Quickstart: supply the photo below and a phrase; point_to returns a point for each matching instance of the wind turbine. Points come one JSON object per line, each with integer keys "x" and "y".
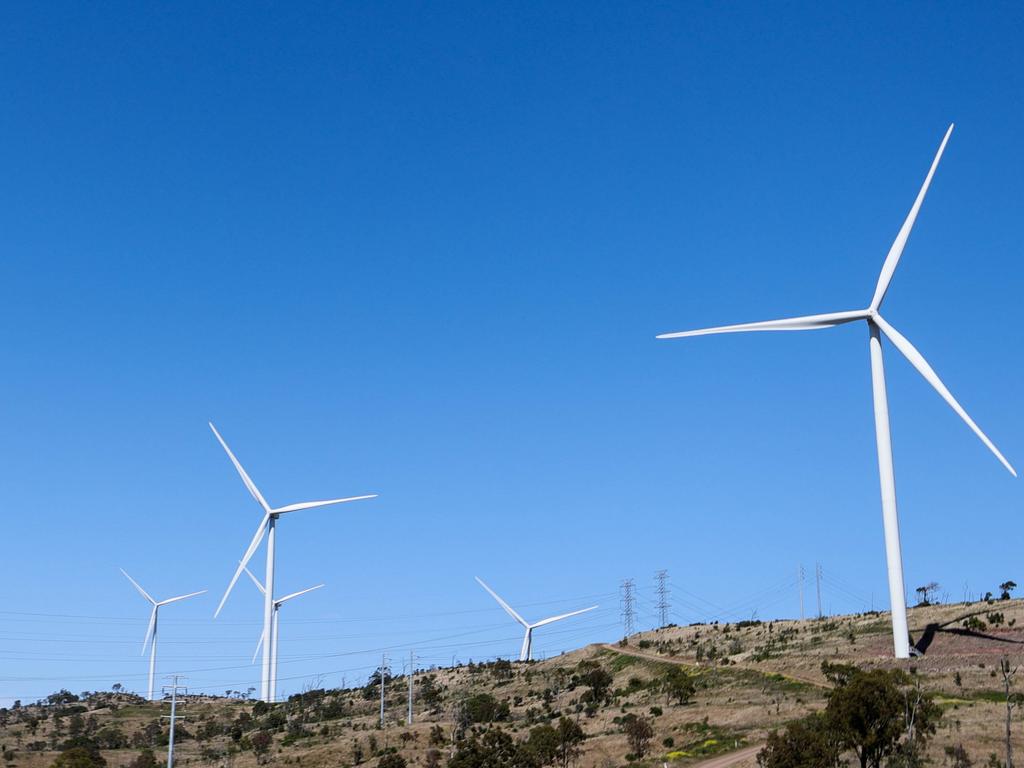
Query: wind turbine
{"x": 151, "y": 631}
{"x": 273, "y": 633}
{"x": 267, "y": 527}
{"x": 877, "y": 327}
{"x": 526, "y": 654}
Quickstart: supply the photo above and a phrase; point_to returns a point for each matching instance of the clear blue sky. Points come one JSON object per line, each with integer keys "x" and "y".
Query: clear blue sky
{"x": 424, "y": 250}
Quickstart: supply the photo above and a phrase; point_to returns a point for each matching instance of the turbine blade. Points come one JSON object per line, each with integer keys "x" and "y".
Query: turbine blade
{"x": 542, "y": 622}
{"x": 313, "y": 504}
{"x": 149, "y": 630}
{"x": 256, "y": 539}
{"x": 893, "y": 258}
{"x": 256, "y": 582}
{"x": 502, "y": 603}
{"x": 181, "y": 597}
{"x": 286, "y": 598}
{"x": 258, "y": 646}
{"x": 245, "y": 477}
{"x": 136, "y": 585}
{"x": 917, "y": 360}
{"x": 805, "y": 323}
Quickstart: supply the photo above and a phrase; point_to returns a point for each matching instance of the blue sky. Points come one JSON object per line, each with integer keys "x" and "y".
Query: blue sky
{"x": 423, "y": 251}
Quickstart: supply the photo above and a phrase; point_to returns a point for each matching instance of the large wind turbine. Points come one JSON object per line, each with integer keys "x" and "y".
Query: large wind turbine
{"x": 526, "y": 654}
{"x": 877, "y": 327}
{"x": 273, "y": 633}
{"x": 267, "y": 527}
{"x": 151, "y": 631}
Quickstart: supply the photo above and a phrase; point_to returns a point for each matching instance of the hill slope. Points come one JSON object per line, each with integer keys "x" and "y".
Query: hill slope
{"x": 749, "y": 678}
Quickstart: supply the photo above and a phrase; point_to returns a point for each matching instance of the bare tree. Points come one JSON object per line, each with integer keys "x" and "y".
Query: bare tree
{"x": 1012, "y": 700}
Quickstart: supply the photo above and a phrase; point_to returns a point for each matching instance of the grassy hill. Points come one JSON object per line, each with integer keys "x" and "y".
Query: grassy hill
{"x": 749, "y": 678}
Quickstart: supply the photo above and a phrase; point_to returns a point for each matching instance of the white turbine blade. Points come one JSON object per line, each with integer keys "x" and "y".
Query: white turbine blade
{"x": 542, "y": 622}
{"x": 245, "y": 477}
{"x": 806, "y": 323}
{"x": 502, "y": 603}
{"x": 917, "y": 360}
{"x": 889, "y": 266}
{"x": 258, "y": 646}
{"x": 286, "y": 598}
{"x": 136, "y": 585}
{"x": 256, "y": 582}
{"x": 256, "y": 539}
{"x": 149, "y": 630}
{"x": 181, "y": 597}
{"x": 313, "y": 504}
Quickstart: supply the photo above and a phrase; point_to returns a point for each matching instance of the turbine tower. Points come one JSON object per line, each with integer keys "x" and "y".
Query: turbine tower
{"x": 526, "y": 653}
{"x": 151, "y": 631}
{"x": 267, "y": 527}
{"x": 273, "y": 633}
{"x": 878, "y": 327}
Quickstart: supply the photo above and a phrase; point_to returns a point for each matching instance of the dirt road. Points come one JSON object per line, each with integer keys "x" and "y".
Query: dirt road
{"x": 733, "y": 758}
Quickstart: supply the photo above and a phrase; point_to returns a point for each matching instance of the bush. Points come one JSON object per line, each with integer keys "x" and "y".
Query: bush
{"x": 391, "y": 760}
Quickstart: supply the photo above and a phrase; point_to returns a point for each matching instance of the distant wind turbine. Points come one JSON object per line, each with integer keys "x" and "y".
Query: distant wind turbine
{"x": 877, "y": 327}
{"x": 151, "y": 631}
{"x": 267, "y": 527}
{"x": 273, "y": 632}
{"x": 526, "y": 653}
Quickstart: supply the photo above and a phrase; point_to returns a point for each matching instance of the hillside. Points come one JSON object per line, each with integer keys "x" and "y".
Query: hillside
{"x": 749, "y": 678}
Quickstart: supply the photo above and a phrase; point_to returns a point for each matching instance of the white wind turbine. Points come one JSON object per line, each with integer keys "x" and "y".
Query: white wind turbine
{"x": 151, "y": 631}
{"x": 526, "y": 653}
{"x": 267, "y": 527}
{"x": 877, "y": 326}
{"x": 273, "y": 631}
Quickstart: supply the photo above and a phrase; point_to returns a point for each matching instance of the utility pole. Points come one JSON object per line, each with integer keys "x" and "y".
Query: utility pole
{"x": 800, "y": 584}
{"x": 628, "y": 605}
{"x": 817, "y": 580}
{"x": 663, "y": 606}
{"x": 174, "y": 716}
{"x": 412, "y": 670}
{"x": 383, "y": 672}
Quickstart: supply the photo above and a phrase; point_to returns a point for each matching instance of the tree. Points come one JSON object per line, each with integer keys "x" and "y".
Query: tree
{"x": 804, "y": 743}
{"x": 638, "y": 732}
{"x": 870, "y": 712}
{"x": 930, "y": 588}
{"x": 596, "y": 679}
{"x": 80, "y": 757}
{"x": 542, "y": 745}
{"x": 145, "y": 759}
{"x": 260, "y": 742}
{"x": 1012, "y": 700}
{"x": 570, "y": 736}
{"x": 431, "y": 693}
{"x": 1006, "y": 588}
{"x": 484, "y": 708}
{"x": 391, "y": 760}
{"x": 493, "y": 749}
{"x": 678, "y": 685}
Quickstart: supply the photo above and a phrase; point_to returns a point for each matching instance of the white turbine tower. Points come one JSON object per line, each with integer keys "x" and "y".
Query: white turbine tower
{"x": 526, "y": 653}
{"x": 273, "y": 631}
{"x": 151, "y": 631}
{"x": 267, "y": 527}
{"x": 877, "y": 327}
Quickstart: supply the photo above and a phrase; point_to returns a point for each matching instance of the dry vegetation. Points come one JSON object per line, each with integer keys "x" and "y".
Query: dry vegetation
{"x": 748, "y": 679}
